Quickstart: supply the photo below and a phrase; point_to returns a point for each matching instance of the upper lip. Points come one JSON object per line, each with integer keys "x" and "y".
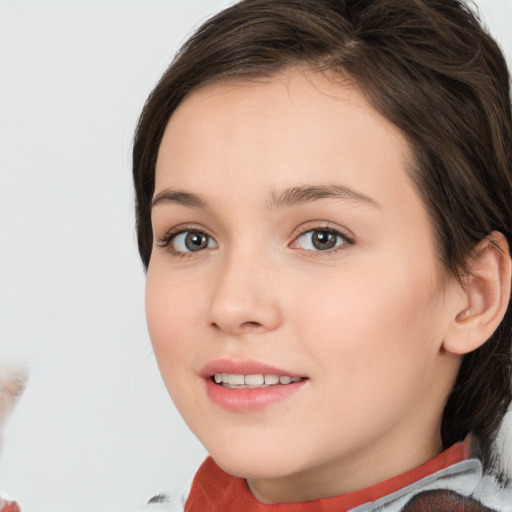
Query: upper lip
{"x": 246, "y": 367}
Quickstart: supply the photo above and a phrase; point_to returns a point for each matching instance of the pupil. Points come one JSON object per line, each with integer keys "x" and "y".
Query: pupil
{"x": 324, "y": 240}
{"x": 195, "y": 241}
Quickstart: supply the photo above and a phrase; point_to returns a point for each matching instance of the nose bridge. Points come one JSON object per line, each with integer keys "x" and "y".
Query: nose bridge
{"x": 243, "y": 296}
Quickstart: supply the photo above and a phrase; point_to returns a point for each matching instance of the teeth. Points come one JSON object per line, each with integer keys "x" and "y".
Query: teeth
{"x": 253, "y": 381}
{"x": 270, "y": 380}
{"x": 234, "y": 380}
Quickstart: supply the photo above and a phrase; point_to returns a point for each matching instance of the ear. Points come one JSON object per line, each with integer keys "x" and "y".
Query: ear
{"x": 487, "y": 295}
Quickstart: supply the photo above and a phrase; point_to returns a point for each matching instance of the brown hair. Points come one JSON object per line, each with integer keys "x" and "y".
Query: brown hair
{"x": 427, "y": 66}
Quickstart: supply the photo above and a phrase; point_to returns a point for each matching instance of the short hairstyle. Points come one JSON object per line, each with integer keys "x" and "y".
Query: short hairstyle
{"x": 431, "y": 69}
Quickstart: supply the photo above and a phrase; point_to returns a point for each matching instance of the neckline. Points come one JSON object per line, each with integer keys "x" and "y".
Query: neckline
{"x": 213, "y": 489}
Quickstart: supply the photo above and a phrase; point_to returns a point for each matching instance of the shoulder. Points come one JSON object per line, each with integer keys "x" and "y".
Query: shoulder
{"x": 488, "y": 496}
{"x": 493, "y": 495}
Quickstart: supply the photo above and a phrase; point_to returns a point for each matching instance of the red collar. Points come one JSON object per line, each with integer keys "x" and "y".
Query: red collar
{"x": 213, "y": 489}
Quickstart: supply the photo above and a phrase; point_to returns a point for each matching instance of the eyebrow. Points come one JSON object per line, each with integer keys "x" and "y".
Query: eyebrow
{"x": 308, "y": 193}
{"x": 286, "y": 198}
{"x": 170, "y": 195}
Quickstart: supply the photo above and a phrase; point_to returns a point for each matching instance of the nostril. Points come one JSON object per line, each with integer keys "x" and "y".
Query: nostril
{"x": 245, "y": 326}
{"x": 251, "y": 324}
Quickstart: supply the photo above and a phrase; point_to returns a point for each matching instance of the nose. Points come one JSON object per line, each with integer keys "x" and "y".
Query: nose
{"x": 245, "y": 296}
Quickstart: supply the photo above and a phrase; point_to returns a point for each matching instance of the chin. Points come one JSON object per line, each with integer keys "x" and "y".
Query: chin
{"x": 256, "y": 464}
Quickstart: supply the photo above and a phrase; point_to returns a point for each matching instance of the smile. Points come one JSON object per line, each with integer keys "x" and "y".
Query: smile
{"x": 249, "y": 386}
{"x": 236, "y": 381}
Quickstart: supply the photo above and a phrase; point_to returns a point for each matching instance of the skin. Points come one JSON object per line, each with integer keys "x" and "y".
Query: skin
{"x": 364, "y": 322}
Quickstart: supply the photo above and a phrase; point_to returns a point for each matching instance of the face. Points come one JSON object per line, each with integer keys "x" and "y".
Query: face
{"x": 294, "y": 297}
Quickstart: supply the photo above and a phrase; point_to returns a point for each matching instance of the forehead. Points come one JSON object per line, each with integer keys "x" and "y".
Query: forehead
{"x": 290, "y": 129}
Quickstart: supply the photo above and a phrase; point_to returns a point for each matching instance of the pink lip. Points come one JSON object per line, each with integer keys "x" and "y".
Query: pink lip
{"x": 243, "y": 368}
{"x": 247, "y": 400}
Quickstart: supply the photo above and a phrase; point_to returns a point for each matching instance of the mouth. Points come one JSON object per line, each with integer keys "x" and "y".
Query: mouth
{"x": 246, "y": 386}
{"x": 253, "y": 381}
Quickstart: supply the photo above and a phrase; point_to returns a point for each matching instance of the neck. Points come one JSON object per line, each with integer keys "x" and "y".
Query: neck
{"x": 337, "y": 478}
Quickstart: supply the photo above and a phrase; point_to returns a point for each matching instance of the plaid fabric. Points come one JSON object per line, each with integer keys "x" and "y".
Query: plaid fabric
{"x": 444, "y": 501}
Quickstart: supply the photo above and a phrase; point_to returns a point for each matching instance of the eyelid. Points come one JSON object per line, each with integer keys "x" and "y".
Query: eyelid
{"x": 164, "y": 240}
{"x": 346, "y": 235}
{"x": 322, "y": 225}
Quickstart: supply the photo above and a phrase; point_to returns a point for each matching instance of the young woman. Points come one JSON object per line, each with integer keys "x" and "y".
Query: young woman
{"x": 323, "y": 198}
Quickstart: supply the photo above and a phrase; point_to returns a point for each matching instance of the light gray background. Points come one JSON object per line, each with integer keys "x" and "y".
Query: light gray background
{"x": 95, "y": 429}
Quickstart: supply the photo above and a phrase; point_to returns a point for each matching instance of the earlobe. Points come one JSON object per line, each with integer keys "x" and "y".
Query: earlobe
{"x": 487, "y": 288}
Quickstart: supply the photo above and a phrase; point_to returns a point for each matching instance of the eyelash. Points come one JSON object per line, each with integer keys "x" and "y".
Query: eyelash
{"x": 346, "y": 239}
{"x": 165, "y": 242}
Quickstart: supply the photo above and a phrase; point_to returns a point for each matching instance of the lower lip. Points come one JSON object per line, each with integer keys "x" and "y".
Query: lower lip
{"x": 249, "y": 400}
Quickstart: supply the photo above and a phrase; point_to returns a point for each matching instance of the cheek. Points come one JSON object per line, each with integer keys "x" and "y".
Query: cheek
{"x": 171, "y": 310}
{"x": 160, "y": 314}
{"x": 372, "y": 321}
{"x": 375, "y": 350}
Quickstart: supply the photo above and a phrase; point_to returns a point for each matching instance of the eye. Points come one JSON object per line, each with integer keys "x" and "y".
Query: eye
{"x": 321, "y": 240}
{"x": 187, "y": 241}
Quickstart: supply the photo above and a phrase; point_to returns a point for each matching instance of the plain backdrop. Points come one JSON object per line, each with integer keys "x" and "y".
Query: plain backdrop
{"x": 95, "y": 429}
